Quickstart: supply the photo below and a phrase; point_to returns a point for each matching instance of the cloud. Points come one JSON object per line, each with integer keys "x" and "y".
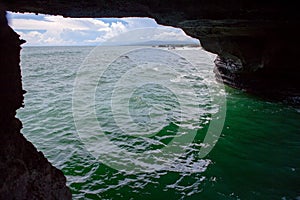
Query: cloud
{"x": 40, "y": 30}
{"x": 114, "y": 30}
{"x": 174, "y": 35}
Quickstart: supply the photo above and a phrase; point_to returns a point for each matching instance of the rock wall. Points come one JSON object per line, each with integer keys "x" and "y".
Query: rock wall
{"x": 256, "y": 40}
{"x": 254, "y": 55}
{"x": 24, "y": 172}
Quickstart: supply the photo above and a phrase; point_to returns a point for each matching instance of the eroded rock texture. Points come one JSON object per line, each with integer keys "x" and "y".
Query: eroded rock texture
{"x": 257, "y": 56}
{"x": 256, "y": 40}
{"x": 24, "y": 172}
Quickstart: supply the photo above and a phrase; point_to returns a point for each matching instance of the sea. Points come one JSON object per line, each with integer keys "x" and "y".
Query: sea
{"x": 143, "y": 122}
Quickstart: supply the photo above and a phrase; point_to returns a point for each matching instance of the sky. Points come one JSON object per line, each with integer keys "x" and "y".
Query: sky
{"x": 48, "y": 30}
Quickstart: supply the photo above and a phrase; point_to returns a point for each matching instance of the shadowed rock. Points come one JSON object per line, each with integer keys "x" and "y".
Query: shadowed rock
{"x": 260, "y": 36}
{"x": 24, "y": 172}
{"x": 256, "y": 42}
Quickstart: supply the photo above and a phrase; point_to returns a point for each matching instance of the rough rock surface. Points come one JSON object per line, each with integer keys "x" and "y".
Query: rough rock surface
{"x": 256, "y": 42}
{"x": 24, "y": 172}
{"x": 259, "y": 36}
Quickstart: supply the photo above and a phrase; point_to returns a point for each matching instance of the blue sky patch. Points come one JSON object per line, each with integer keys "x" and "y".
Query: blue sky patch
{"x": 48, "y": 30}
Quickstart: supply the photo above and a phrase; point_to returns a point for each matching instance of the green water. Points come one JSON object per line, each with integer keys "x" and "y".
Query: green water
{"x": 256, "y": 156}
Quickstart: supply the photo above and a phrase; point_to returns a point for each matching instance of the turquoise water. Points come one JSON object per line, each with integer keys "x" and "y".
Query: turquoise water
{"x": 255, "y": 157}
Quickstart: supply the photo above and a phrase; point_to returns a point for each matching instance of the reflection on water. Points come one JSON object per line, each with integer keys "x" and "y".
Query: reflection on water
{"x": 256, "y": 157}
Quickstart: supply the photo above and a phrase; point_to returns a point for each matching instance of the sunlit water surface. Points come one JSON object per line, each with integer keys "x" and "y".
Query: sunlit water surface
{"x": 256, "y": 156}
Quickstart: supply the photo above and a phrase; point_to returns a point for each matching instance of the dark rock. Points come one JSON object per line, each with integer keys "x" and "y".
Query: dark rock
{"x": 263, "y": 54}
{"x": 256, "y": 41}
{"x": 24, "y": 172}
{"x": 261, "y": 36}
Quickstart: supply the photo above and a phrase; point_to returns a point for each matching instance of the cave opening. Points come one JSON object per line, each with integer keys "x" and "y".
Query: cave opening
{"x": 57, "y": 48}
{"x": 256, "y": 43}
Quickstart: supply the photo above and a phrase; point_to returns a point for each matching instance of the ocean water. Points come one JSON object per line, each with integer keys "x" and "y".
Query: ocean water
{"x": 152, "y": 123}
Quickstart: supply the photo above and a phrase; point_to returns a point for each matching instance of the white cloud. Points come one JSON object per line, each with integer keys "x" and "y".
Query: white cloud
{"x": 57, "y": 30}
{"x": 33, "y": 37}
{"x": 58, "y": 23}
{"x": 170, "y": 35}
{"x": 139, "y": 22}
